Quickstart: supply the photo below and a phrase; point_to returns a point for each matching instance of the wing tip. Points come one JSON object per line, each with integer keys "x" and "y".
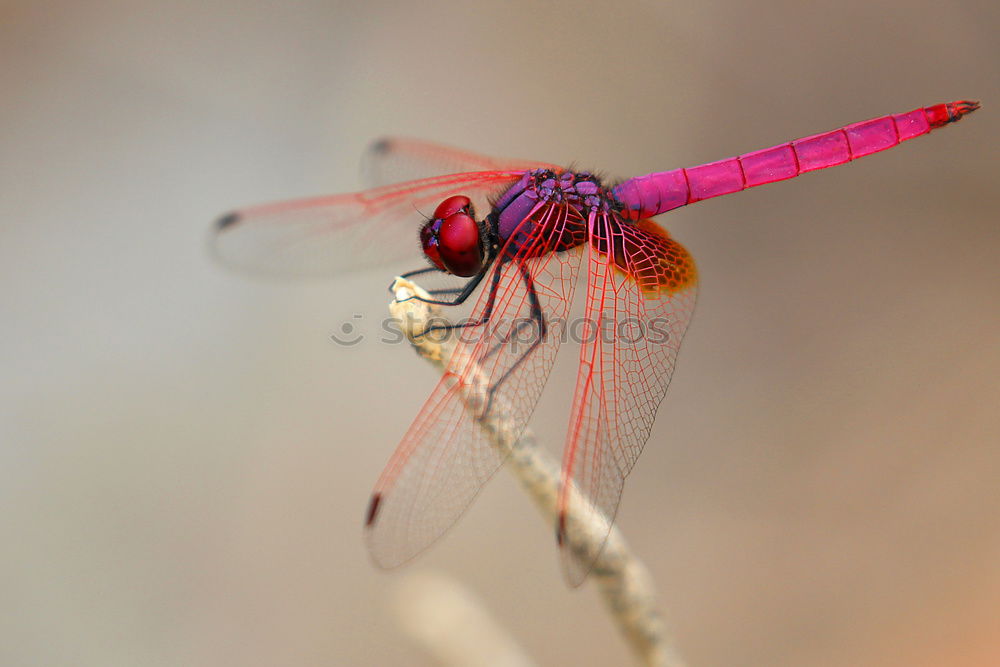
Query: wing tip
{"x": 561, "y": 529}
{"x": 373, "y": 508}
{"x": 226, "y": 221}
{"x": 380, "y": 145}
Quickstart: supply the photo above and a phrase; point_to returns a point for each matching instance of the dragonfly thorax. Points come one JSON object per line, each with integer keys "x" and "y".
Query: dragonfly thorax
{"x": 549, "y": 210}
{"x": 581, "y": 191}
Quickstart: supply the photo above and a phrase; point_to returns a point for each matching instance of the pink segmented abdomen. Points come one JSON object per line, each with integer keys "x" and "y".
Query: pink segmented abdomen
{"x": 646, "y": 196}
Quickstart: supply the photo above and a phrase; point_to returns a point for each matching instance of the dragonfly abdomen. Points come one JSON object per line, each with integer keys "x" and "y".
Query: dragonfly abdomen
{"x": 650, "y": 195}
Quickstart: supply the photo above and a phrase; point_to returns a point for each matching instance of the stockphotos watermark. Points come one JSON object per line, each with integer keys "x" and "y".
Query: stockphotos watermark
{"x": 517, "y": 331}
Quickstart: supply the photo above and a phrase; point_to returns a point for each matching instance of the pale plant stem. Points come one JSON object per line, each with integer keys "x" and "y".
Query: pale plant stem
{"x": 624, "y": 582}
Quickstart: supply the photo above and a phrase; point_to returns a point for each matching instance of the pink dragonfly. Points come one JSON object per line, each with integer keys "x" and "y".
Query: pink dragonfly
{"x": 541, "y": 221}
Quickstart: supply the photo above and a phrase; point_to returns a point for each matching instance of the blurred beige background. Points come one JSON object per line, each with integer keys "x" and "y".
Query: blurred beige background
{"x": 186, "y": 457}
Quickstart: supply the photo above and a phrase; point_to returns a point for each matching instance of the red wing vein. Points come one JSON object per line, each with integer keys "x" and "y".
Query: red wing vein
{"x": 445, "y": 457}
{"x": 325, "y": 236}
{"x": 634, "y": 290}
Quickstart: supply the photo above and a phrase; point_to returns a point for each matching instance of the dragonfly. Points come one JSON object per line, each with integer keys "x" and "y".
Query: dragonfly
{"x": 541, "y": 224}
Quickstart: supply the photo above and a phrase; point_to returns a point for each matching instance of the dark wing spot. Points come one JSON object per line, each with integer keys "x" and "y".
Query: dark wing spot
{"x": 561, "y": 529}
{"x": 372, "y": 510}
{"x": 381, "y": 145}
{"x": 227, "y": 220}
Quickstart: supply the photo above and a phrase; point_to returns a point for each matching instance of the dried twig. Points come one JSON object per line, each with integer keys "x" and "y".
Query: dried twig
{"x": 624, "y": 582}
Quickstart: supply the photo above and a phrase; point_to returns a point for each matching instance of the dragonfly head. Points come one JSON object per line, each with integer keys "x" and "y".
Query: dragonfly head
{"x": 452, "y": 239}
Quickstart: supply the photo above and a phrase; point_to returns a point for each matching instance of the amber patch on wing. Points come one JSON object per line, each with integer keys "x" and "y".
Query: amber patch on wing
{"x": 647, "y": 254}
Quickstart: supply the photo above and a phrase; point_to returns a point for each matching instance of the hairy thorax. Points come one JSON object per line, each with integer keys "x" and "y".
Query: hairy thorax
{"x": 549, "y": 211}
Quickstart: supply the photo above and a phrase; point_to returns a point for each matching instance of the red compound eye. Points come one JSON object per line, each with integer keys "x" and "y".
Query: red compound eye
{"x": 451, "y": 240}
{"x": 451, "y": 206}
{"x": 458, "y": 243}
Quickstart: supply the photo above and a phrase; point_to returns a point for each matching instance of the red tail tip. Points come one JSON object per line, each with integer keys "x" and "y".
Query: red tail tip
{"x": 940, "y": 115}
{"x": 963, "y": 107}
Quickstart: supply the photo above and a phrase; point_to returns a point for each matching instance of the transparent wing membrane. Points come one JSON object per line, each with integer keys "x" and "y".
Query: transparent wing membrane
{"x": 396, "y": 159}
{"x": 641, "y": 289}
{"x": 445, "y": 457}
{"x": 326, "y": 236}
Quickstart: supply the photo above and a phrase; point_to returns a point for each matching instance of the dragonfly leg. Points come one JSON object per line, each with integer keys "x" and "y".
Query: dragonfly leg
{"x": 420, "y": 272}
{"x": 463, "y": 295}
{"x": 415, "y": 272}
{"x": 537, "y": 319}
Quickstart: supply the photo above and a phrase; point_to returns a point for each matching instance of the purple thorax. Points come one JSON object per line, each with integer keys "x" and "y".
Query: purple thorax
{"x": 580, "y": 190}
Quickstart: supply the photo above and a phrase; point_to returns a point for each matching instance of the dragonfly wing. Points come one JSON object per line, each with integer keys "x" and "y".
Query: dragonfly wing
{"x": 445, "y": 457}
{"x": 395, "y": 159}
{"x": 641, "y": 291}
{"x": 325, "y": 236}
